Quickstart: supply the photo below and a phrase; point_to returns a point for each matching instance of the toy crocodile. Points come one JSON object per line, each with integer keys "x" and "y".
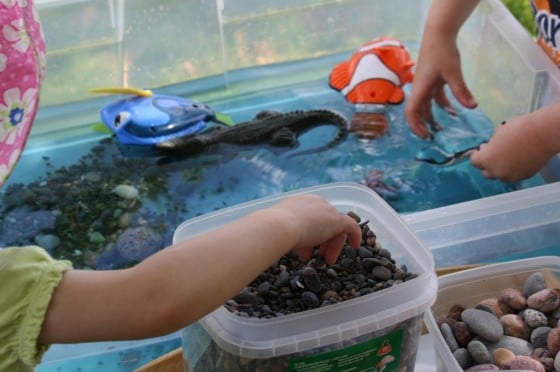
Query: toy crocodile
{"x": 272, "y": 127}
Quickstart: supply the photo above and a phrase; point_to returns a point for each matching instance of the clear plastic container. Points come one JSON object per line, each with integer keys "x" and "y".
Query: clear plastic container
{"x": 492, "y": 228}
{"x": 349, "y": 333}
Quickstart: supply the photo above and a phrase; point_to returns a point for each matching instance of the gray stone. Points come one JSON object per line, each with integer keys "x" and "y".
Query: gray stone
{"x": 463, "y": 357}
{"x": 47, "y": 241}
{"x": 535, "y": 318}
{"x": 518, "y": 346}
{"x": 448, "y": 336}
{"x": 478, "y": 352}
{"x": 483, "y": 324}
{"x": 534, "y": 283}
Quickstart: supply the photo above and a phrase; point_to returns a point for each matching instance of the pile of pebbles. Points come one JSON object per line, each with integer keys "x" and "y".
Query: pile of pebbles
{"x": 291, "y": 286}
{"x": 517, "y": 330}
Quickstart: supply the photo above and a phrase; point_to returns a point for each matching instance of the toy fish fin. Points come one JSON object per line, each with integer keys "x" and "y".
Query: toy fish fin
{"x": 340, "y": 76}
{"x": 397, "y": 97}
{"x": 100, "y": 128}
{"x": 224, "y": 119}
{"x": 122, "y": 90}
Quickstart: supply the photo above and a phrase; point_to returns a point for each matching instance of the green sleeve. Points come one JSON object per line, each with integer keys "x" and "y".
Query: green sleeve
{"x": 28, "y": 277}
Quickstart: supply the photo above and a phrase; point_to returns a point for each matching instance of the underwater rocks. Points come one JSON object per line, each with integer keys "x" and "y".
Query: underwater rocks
{"x": 516, "y": 330}
{"x": 77, "y": 212}
{"x": 21, "y": 225}
{"x": 137, "y": 243}
{"x": 126, "y": 192}
{"x": 132, "y": 245}
{"x": 291, "y": 286}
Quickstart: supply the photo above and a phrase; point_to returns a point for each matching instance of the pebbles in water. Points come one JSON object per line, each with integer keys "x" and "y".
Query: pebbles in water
{"x": 137, "y": 243}
{"x": 22, "y": 224}
{"x": 126, "y": 191}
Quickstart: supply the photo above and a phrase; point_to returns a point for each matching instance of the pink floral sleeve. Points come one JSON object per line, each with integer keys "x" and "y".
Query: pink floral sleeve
{"x": 22, "y": 66}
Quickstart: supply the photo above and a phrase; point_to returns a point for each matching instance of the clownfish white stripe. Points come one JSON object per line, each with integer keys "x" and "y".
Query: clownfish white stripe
{"x": 371, "y": 67}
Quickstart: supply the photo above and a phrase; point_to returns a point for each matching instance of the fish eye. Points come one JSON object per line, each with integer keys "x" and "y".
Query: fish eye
{"x": 121, "y": 118}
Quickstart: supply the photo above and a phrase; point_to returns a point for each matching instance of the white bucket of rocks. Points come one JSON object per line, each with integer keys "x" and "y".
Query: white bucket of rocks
{"x": 374, "y": 323}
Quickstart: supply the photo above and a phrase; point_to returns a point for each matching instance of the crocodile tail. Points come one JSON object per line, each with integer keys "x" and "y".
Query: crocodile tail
{"x": 325, "y": 117}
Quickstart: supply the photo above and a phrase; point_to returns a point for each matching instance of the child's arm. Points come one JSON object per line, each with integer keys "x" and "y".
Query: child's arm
{"x": 439, "y": 64}
{"x": 521, "y": 147}
{"x": 182, "y": 283}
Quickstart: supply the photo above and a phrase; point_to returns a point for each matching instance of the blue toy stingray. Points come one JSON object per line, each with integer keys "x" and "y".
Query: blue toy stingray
{"x": 146, "y": 118}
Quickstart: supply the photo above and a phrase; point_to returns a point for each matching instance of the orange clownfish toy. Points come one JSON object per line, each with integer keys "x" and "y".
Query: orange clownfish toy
{"x": 374, "y": 74}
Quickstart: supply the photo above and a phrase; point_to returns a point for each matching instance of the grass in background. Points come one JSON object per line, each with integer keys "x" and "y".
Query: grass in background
{"x": 522, "y": 11}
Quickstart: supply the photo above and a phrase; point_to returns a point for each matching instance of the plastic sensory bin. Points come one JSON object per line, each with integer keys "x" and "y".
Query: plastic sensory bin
{"x": 381, "y": 329}
{"x": 471, "y": 286}
{"x": 504, "y": 227}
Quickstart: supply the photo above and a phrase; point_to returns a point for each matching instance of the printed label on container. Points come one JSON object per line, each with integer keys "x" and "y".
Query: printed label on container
{"x": 376, "y": 355}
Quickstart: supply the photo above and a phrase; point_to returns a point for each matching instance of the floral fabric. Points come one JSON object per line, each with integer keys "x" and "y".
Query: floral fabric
{"x": 22, "y": 66}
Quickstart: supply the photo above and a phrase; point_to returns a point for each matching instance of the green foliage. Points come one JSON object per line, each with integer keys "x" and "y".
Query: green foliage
{"x": 522, "y": 11}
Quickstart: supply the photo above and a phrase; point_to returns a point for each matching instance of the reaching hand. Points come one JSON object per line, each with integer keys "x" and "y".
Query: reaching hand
{"x": 438, "y": 64}
{"x": 516, "y": 151}
{"x": 316, "y": 222}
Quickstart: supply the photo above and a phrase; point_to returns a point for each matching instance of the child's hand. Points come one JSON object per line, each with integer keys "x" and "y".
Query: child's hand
{"x": 438, "y": 64}
{"x": 516, "y": 151}
{"x": 314, "y": 222}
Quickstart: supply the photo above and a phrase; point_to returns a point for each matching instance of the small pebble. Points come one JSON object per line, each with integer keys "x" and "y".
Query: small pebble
{"x": 48, "y": 242}
{"x": 448, "y": 336}
{"x": 534, "y": 283}
{"x": 512, "y": 298}
{"x": 364, "y": 252}
{"x": 490, "y": 305}
{"x": 312, "y": 279}
{"x": 539, "y": 337}
{"x": 463, "y": 357}
{"x": 502, "y": 356}
{"x": 455, "y": 311}
{"x": 246, "y": 298}
{"x": 515, "y": 326}
{"x": 381, "y": 273}
{"x": 523, "y": 362}
{"x": 535, "y": 318}
{"x": 545, "y": 300}
{"x": 126, "y": 192}
{"x": 479, "y": 352}
{"x": 283, "y": 280}
{"x": 553, "y": 341}
{"x": 355, "y": 216}
{"x": 310, "y": 299}
{"x": 462, "y": 333}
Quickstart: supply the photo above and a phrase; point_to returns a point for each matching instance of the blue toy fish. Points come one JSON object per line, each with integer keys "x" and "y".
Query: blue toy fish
{"x": 146, "y": 118}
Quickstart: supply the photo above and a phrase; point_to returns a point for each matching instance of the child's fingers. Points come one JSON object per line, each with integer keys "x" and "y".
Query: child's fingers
{"x": 331, "y": 249}
{"x": 462, "y": 93}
